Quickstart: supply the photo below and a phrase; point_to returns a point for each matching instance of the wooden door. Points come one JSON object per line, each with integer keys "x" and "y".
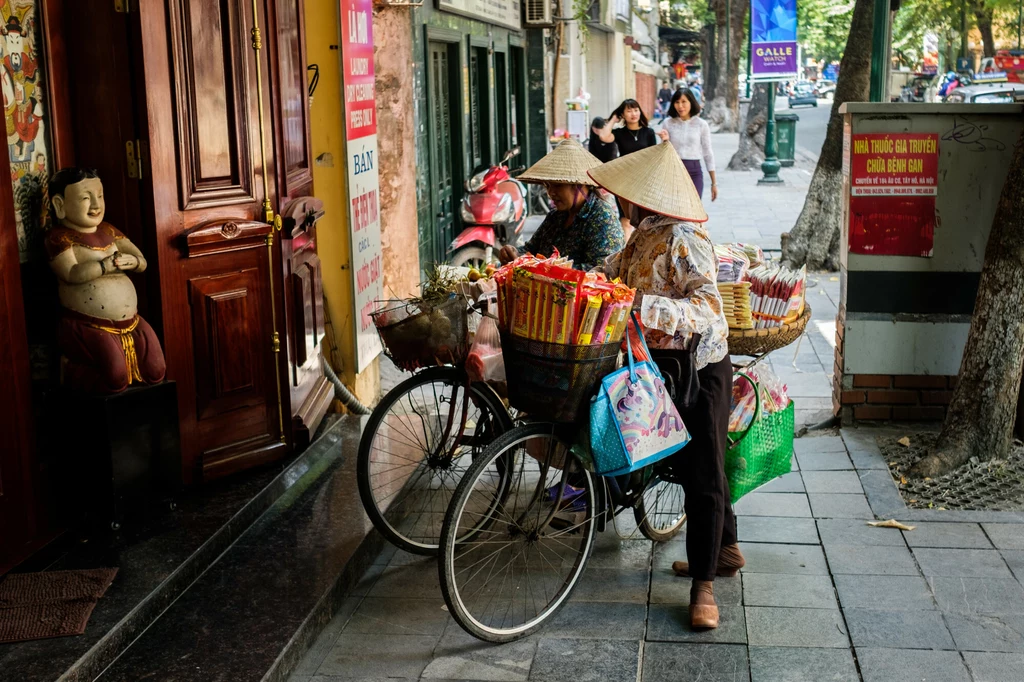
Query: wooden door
{"x": 17, "y": 513}
{"x": 443, "y": 115}
{"x": 211, "y": 195}
{"x": 309, "y": 391}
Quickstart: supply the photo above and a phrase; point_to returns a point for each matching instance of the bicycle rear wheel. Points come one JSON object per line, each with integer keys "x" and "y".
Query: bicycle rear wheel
{"x": 502, "y": 582}
{"x": 659, "y": 510}
{"x": 418, "y": 443}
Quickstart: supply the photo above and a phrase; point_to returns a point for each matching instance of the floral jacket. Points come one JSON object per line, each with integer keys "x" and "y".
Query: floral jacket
{"x": 673, "y": 267}
{"x": 594, "y": 235}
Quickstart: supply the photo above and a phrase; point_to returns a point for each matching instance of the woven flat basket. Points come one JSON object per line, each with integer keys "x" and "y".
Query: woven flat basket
{"x": 760, "y": 341}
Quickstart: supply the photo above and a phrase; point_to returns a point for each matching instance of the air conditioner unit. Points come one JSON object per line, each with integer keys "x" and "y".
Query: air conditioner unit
{"x": 538, "y": 13}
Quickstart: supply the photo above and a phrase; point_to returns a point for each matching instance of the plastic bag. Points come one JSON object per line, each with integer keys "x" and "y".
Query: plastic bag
{"x": 484, "y": 362}
{"x": 774, "y": 397}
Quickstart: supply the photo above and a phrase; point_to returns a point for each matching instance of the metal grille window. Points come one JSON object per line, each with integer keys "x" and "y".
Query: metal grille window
{"x": 474, "y": 107}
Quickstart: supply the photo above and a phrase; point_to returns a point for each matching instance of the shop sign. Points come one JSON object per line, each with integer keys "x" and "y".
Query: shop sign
{"x": 773, "y": 39}
{"x": 500, "y": 12}
{"x": 930, "y": 54}
{"x": 363, "y": 178}
{"x": 893, "y": 183}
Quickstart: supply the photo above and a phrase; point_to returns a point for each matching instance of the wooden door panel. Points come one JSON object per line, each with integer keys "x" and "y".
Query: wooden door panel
{"x": 291, "y": 99}
{"x": 302, "y": 309}
{"x": 213, "y": 101}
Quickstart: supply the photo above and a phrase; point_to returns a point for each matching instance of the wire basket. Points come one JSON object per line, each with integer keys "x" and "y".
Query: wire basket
{"x": 552, "y": 380}
{"x": 415, "y": 337}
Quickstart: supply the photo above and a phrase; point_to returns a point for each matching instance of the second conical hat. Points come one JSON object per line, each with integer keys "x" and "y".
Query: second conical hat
{"x": 568, "y": 163}
{"x": 653, "y": 178}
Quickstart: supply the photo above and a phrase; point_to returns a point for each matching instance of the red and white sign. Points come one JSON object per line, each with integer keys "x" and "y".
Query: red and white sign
{"x": 893, "y": 182}
{"x": 360, "y": 108}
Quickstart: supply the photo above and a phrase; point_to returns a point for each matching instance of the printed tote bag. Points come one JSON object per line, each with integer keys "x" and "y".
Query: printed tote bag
{"x": 633, "y": 421}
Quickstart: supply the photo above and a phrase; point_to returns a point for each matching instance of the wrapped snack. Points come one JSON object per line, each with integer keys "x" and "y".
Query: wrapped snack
{"x": 589, "y": 322}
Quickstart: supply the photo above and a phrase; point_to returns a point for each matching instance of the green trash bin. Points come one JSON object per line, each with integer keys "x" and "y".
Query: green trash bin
{"x": 785, "y": 134}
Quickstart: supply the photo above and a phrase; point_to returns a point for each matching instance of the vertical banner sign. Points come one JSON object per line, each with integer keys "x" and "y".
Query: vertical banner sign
{"x": 363, "y": 180}
{"x": 773, "y": 39}
{"x": 893, "y": 184}
{"x": 930, "y": 54}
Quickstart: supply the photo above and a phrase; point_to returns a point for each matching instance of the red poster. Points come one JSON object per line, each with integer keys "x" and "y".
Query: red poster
{"x": 357, "y": 64}
{"x": 893, "y": 183}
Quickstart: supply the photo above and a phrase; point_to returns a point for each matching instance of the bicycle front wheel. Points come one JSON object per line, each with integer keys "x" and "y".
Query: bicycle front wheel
{"x": 659, "y": 510}
{"x": 514, "y": 547}
{"x": 418, "y": 443}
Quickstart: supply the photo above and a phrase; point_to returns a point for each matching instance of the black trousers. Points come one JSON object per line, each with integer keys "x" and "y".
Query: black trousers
{"x": 710, "y": 522}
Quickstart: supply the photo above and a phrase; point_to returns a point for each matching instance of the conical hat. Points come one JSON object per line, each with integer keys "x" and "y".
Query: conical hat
{"x": 655, "y": 179}
{"x": 568, "y": 163}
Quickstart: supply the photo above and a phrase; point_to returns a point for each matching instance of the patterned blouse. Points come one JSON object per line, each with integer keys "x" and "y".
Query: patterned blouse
{"x": 594, "y": 235}
{"x": 673, "y": 267}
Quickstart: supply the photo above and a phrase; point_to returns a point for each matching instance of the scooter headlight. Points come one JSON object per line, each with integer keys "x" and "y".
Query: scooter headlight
{"x": 475, "y": 183}
{"x": 503, "y": 213}
{"x": 467, "y": 215}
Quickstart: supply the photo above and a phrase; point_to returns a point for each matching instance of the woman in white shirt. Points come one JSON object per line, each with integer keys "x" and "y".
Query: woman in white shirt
{"x": 690, "y": 135}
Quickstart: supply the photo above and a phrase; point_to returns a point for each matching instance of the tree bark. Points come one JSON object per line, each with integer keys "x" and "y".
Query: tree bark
{"x": 709, "y": 67}
{"x": 984, "y": 16}
{"x": 722, "y": 109}
{"x": 814, "y": 240}
{"x": 751, "y": 150}
{"x": 981, "y": 415}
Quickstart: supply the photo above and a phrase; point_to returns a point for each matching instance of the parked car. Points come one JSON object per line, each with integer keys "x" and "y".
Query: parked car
{"x": 915, "y": 90}
{"x": 803, "y": 93}
{"x": 825, "y": 89}
{"x": 985, "y": 93}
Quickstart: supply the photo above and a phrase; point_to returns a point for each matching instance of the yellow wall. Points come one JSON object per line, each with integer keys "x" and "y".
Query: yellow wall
{"x": 329, "y": 182}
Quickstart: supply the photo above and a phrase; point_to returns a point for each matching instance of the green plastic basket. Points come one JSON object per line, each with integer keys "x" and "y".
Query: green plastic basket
{"x": 763, "y": 452}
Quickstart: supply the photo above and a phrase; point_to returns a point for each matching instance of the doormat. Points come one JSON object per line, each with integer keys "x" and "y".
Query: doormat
{"x": 50, "y": 604}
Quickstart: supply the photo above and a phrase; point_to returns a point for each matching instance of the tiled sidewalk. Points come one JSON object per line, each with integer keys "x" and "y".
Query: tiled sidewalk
{"x": 823, "y": 597}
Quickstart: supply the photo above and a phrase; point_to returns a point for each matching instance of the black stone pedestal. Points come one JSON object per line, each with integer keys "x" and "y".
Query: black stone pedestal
{"x": 122, "y": 452}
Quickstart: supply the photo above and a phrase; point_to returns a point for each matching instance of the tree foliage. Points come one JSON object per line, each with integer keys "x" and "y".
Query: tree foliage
{"x": 823, "y": 26}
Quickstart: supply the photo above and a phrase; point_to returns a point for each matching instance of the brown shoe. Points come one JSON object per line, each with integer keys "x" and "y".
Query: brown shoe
{"x": 730, "y": 560}
{"x": 703, "y": 609}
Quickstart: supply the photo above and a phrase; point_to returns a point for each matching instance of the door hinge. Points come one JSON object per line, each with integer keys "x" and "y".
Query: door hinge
{"x": 133, "y": 157}
{"x": 122, "y": 6}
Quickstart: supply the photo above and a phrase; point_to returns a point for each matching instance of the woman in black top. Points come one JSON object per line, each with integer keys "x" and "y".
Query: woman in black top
{"x": 635, "y": 135}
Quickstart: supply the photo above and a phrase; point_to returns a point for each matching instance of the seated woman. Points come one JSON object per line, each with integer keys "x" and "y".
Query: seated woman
{"x": 671, "y": 262}
{"x": 583, "y": 226}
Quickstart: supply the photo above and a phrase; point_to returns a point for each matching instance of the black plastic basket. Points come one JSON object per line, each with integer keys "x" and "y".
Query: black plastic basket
{"x": 424, "y": 338}
{"x": 555, "y": 381}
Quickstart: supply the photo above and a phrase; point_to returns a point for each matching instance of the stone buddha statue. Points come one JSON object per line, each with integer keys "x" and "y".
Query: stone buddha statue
{"x": 106, "y": 345}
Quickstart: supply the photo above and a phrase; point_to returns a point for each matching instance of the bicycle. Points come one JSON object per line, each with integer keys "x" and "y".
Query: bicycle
{"x": 421, "y": 439}
{"x": 513, "y": 547}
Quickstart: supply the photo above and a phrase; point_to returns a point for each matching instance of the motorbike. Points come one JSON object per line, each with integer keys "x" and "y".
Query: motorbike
{"x": 494, "y": 211}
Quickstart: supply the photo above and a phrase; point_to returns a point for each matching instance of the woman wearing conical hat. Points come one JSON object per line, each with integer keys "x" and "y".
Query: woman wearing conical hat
{"x": 583, "y": 226}
{"x": 671, "y": 262}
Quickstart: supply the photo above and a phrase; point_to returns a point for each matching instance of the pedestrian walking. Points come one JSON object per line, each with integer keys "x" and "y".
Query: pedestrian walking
{"x": 635, "y": 134}
{"x": 690, "y": 136}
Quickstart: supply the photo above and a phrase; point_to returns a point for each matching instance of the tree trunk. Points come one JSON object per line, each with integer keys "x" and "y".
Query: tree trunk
{"x": 814, "y": 240}
{"x": 981, "y": 415}
{"x": 708, "y": 65}
{"x": 983, "y": 15}
{"x": 751, "y": 151}
{"x": 722, "y": 110}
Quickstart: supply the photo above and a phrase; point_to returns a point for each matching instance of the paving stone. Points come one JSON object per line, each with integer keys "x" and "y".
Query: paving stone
{"x": 671, "y": 623}
{"x": 885, "y": 592}
{"x": 844, "y": 506}
{"x": 989, "y": 667}
{"x": 777, "y": 529}
{"x": 784, "y": 559}
{"x": 376, "y": 656}
{"x": 787, "y": 483}
{"x": 832, "y": 482}
{"x": 825, "y": 461}
{"x": 585, "y": 660}
{"x": 947, "y": 535}
{"x": 312, "y": 659}
{"x": 464, "y": 657}
{"x": 863, "y": 449}
{"x": 962, "y": 563}
{"x": 860, "y": 560}
{"x": 773, "y": 504}
{"x": 704, "y": 662}
{"x": 978, "y": 595}
{"x": 775, "y": 664}
{"x": 612, "y": 585}
{"x": 787, "y": 627}
{"x": 858, "y": 532}
{"x": 798, "y": 591}
{"x": 667, "y": 552}
{"x": 816, "y": 444}
{"x": 611, "y": 552}
{"x": 898, "y": 629}
{"x": 1005, "y": 535}
{"x": 380, "y": 616}
{"x": 596, "y": 620}
{"x": 409, "y": 582}
{"x": 668, "y": 588}
{"x": 886, "y": 665}
{"x": 1015, "y": 560}
{"x": 987, "y": 632}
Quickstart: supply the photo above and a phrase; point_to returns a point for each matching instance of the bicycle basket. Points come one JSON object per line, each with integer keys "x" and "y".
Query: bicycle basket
{"x": 552, "y": 380}
{"x": 763, "y": 452}
{"x": 415, "y": 337}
